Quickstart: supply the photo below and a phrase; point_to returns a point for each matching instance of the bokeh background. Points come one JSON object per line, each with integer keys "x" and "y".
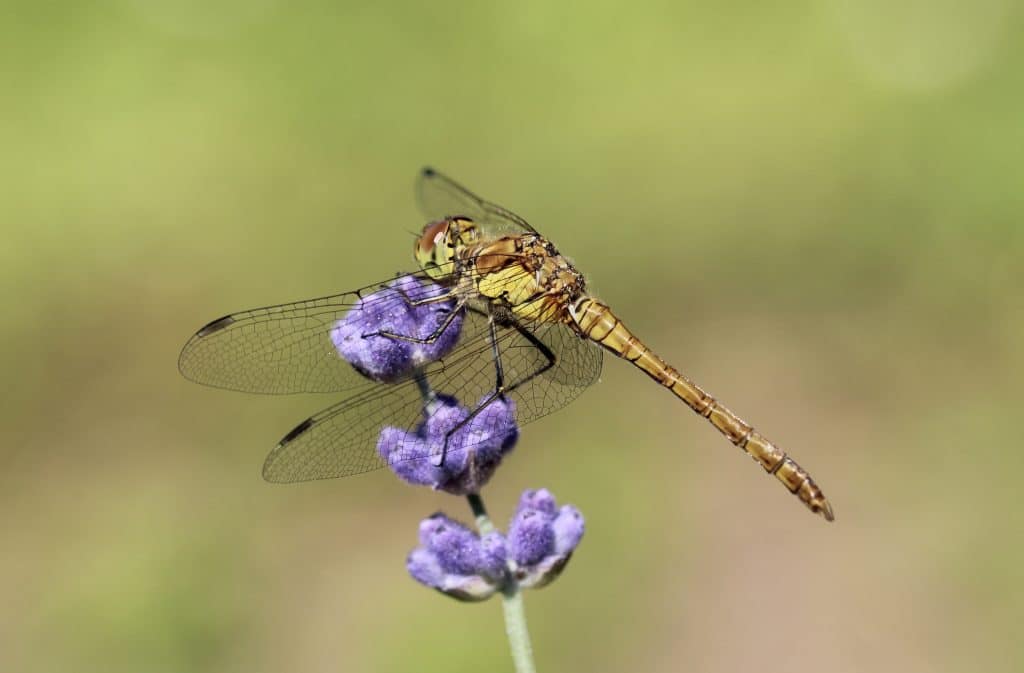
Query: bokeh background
{"x": 812, "y": 208}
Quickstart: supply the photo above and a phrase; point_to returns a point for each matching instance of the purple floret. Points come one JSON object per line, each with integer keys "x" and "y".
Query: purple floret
{"x": 456, "y": 561}
{"x": 457, "y": 547}
{"x": 540, "y": 499}
{"x": 530, "y": 537}
{"x": 568, "y": 527}
{"x": 388, "y": 359}
{"x": 494, "y": 555}
{"x": 473, "y": 452}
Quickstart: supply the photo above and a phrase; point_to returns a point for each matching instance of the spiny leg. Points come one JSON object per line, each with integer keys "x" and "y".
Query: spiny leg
{"x": 499, "y": 371}
{"x": 500, "y": 389}
{"x": 552, "y": 359}
{"x": 413, "y": 303}
{"x": 434, "y": 336}
{"x": 409, "y": 301}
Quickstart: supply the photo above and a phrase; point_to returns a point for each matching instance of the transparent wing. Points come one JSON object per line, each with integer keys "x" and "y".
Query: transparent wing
{"x": 286, "y": 348}
{"x": 341, "y": 440}
{"x": 276, "y": 349}
{"x": 439, "y": 197}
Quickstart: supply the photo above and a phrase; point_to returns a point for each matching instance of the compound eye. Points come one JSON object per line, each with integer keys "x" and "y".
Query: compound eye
{"x": 434, "y": 235}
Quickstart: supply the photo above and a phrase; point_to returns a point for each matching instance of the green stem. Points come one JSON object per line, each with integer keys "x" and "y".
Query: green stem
{"x": 512, "y": 600}
{"x": 483, "y": 522}
{"x": 515, "y": 628}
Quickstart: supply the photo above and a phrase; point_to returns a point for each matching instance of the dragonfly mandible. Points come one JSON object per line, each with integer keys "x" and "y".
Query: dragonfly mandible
{"x": 528, "y": 330}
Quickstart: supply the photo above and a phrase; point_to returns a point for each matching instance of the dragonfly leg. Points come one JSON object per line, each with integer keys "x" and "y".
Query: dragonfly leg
{"x": 552, "y": 359}
{"x": 499, "y": 371}
{"x": 500, "y": 389}
{"x": 409, "y": 301}
{"x": 447, "y": 438}
{"x": 427, "y": 340}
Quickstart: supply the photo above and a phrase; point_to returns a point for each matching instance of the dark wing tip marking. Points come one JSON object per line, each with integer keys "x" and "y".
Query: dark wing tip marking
{"x": 188, "y": 351}
{"x": 214, "y": 326}
{"x": 296, "y": 431}
{"x": 269, "y": 473}
{"x": 428, "y": 172}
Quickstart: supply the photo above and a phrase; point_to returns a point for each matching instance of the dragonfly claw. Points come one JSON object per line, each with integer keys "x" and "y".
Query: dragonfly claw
{"x": 438, "y": 460}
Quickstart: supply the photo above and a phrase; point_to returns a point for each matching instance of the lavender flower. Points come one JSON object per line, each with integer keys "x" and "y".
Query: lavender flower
{"x": 473, "y": 451}
{"x": 456, "y": 561}
{"x": 459, "y": 563}
{"x": 542, "y": 537}
{"x": 387, "y": 359}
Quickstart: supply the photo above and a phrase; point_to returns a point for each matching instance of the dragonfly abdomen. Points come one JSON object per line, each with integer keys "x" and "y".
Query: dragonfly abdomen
{"x": 597, "y": 322}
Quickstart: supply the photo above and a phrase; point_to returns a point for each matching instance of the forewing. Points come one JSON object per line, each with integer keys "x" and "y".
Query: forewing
{"x": 439, "y": 197}
{"x": 287, "y": 348}
{"x": 342, "y": 439}
{"x": 277, "y": 349}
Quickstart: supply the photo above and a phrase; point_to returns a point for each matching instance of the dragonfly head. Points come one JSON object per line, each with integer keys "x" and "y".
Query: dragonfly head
{"x": 436, "y": 247}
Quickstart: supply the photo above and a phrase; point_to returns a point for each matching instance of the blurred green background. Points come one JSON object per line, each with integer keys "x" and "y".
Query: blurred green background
{"x": 812, "y": 208}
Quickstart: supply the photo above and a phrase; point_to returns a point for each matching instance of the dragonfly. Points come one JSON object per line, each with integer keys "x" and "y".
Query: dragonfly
{"x": 530, "y": 331}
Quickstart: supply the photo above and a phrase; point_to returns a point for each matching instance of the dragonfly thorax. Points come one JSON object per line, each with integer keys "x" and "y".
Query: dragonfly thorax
{"x": 526, "y": 275}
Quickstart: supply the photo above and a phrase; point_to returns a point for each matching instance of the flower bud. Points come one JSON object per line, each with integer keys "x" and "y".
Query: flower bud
{"x": 388, "y": 359}
{"x": 456, "y": 561}
{"x": 472, "y": 449}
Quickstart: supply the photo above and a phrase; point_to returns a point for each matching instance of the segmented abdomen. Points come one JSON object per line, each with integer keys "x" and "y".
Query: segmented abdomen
{"x": 596, "y": 321}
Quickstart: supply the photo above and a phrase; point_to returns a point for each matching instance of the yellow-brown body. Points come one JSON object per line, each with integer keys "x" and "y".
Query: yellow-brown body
{"x": 528, "y": 277}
